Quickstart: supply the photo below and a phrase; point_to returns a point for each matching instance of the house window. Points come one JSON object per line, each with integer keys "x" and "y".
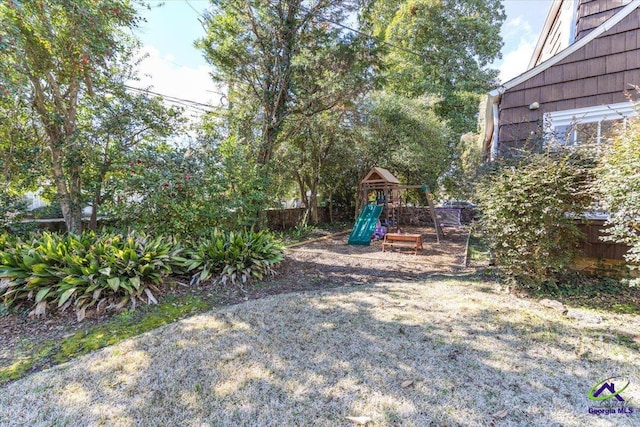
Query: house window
{"x": 591, "y": 125}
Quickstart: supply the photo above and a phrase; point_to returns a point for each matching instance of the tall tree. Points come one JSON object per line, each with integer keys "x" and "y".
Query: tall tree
{"x": 306, "y": 156}
{"x": 55, "y": 52}
{"x": 439, "y": 48}
{"x": 112, "y": 126}
{"x": 415, "y": 143}
{"x": 254, "y": 46}
{"x": 333, "y": 70}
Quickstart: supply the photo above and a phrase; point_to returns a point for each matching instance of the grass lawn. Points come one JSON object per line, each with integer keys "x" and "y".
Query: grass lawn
{"x": 445, "y": 350}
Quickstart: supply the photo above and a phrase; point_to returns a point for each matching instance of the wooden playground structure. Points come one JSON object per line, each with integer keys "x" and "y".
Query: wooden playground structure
{"x": 381, "y": 189}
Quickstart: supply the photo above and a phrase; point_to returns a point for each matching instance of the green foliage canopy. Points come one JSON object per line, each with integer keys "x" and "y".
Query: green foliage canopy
{"x": 405, "y": 135}
{"x": 440, "y": 48}
{"x": 58, "y": 54}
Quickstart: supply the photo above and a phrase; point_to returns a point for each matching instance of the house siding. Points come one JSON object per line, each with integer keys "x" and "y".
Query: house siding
{"x": 596, "y": 74}
{"x": 592, "y": 13}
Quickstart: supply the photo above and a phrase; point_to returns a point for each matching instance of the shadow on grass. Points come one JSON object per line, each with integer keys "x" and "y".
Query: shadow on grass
{"x": 35, "y": 355}
{"x": 435, "y": 352}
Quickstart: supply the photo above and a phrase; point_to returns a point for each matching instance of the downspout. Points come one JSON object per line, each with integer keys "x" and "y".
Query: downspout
{"x": 496, "y": 130}
{"x": 495, "y": 98}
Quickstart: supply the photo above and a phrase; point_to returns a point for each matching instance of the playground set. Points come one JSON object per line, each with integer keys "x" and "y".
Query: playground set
{"x": 380, "y": 192}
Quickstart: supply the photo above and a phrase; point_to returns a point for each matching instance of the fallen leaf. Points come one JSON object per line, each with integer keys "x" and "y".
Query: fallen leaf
{"x": 406, "y": 383}
{"x": 500, "y": 414}
{"x": 360, "y": 420}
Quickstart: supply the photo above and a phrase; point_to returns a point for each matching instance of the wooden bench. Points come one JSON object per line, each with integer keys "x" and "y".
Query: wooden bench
{"x": 407, "y": 240}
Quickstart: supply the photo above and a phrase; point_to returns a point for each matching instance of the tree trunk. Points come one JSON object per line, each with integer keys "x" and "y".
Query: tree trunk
{"x": 68, "y": 196}
{"x": 313, "y": 202}
{"x": 330, "y": 206}
{"x": 302, "y": 189}
{"x": 93, "y": 221}
{"x": 97, "y": 200}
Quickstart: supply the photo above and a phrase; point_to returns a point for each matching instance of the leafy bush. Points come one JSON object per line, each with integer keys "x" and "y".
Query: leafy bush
{"x": 619, "y": 183}
{"x": 52, "y": 211}
{"x": 233, "y": 256}
{"x": 12, "y": 210}
{"x": 529, "y": 213}
{"x": 84, "y": 272}
{"x": 110, "y": 271}
{"x": 185, "y": 192}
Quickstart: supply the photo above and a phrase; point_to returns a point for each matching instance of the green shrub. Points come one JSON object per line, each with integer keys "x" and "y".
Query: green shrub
{"x": 52, "y": 211}
{"x": 86, "y": 271}
{"x": 185, "y": 193}
{"x": 619, "y": 182}
{"x": 12, "y": 210}
{"x": 233, "y": 256}
{"x": 529, "y": 211}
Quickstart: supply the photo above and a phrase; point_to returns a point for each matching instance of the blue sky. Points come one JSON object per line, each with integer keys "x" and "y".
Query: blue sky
{"x": 174, "y": 67}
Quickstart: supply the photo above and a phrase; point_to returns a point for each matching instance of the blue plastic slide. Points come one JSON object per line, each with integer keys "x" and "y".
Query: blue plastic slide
{"x": 365, "y": 225}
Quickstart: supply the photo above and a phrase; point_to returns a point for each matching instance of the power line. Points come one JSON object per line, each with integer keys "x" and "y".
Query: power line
{"x": 183, "y": 101}
{"x": 201, "y": 18}
{"x": 193, "y": 8}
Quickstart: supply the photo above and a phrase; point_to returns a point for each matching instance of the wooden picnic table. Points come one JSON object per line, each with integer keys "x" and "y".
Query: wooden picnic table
{"x": 405, "y": 240}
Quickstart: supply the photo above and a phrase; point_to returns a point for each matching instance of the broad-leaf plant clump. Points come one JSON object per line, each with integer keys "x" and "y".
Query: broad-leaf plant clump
{"x": 94, "y": 272}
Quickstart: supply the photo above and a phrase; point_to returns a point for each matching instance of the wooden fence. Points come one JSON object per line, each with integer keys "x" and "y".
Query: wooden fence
{"x": 283, "y": 219}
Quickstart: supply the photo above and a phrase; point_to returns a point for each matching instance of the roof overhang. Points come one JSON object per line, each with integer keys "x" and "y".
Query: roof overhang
{"x": 546, "y": 29}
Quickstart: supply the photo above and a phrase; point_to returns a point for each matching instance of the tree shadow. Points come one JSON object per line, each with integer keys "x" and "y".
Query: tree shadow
{"x": 432, "y": 352}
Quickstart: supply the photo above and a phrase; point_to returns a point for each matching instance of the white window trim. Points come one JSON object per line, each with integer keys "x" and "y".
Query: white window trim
{"x": 595, "y": 114}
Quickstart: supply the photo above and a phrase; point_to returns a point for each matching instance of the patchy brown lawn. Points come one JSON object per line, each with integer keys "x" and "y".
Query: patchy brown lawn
{"x": 396, "y": 338}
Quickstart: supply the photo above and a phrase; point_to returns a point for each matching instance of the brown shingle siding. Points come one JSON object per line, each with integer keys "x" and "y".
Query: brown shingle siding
{"x": 596, "y": 74}
{"x": 631, "y": 40}
{"x": 518, "y": 132}
{"x": 617, "y": 43}
{"x": 589, "y": 68}
{"x": 514, "y": 116}
{"x": 590, "y": 101}
{"x": 565, "y": 104}
{"x": 611, "y": 83}
{"x": 570, "y": 72}
{"x": 532, "y": 95}
{"x": 631, "y": 77}
{"x": 551, "y": 93}
{"x": 616, "y": 63}
{"x": 535, "y": 81}
{"x": 513, "y": 99}
{"x": 555, "y": 75}
{"x": 591, "y": 14}
{"x": 602, "y": 46}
